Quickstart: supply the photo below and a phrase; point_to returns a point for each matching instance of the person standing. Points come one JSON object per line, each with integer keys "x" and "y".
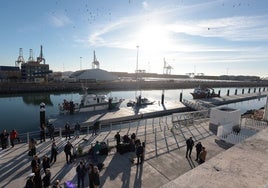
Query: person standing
{"x": 139, "y": 153}
{"x": 77, "y": 130}
{"x": 54, "y": 152}
{"x": 46, "y": 163}
{"x": 117, "y": 138}
{"x": 67, "y": 149}
{"x": 67, "y": 130}
{"x": 95, "y": 127}
{"x": 4, "y": 139}
{"x": 46, "y": 178}
{"x": 37, "y": 177}
{"x": 189, "y": 147}
{"x": 81, "y": 172}
{"x": 96, "y": 177}
{"x": 202, "y": 155}
{"x": 13, "y": 136}
{"x": 198, "y": 148}
{"x": 35, "y": 162}
{"x": 32, "y": 147}
{"x": 91, "y": 175}
{"x": 51, "y": 130}
{"x": 30, "y": 181}
{"x": 96, "y": 150}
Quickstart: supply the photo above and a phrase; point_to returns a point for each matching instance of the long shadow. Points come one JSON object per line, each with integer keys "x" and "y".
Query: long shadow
{"x": 138, "y": 176}
{"x": 119, "y": 164}
{"x": 223, "y": 144}
{"x": 191, "y": 163}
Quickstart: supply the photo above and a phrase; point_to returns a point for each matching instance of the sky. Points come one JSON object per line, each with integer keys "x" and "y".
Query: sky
{"x": 210, "y": 37}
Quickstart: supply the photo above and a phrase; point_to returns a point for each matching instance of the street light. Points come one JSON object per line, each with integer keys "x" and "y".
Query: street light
{"x": 80, "y": 63}
{"x": 137, "y": 64}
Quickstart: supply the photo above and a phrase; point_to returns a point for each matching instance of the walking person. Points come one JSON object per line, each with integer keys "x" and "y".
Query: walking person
{"x": 96, "y": 177}
{"x": 198, "y": 148}
{"x": 202, "y": 155}
{"x": 81, "y": 172}
{"x": 54, "y": 152}
{"x": 77, "y": 130}
{"x": 68, "y": 153}
{"x": 4, "y": 139}
{"x": 189, "y": 147}
{"x": 13, "y": 136}
{"x": 67, "y": 130}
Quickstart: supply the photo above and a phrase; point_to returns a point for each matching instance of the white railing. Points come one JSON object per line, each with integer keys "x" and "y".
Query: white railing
{"x": 234, "y": 138}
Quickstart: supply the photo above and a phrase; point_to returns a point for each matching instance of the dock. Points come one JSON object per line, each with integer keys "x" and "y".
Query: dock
{"x": 165, "y": 148}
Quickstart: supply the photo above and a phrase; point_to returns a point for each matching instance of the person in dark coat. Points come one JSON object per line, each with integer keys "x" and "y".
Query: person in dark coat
{"x": 139, "y": 153}
{"x": 30, "y": 181}
{"x": 81, "y": 172}
{"x": 67, "y": 131}
{"x": 189, "y": 147}
{"x": 46, "y": 178}
{"x": 91, "y": 175}
{"x": 198, "y": 148}
{"x": 37, "y": 177}
{"x": 68, "y": 152}
{"x": 95, "y": 127}
{"x": 54, "y": 152}
{"x": 35, "y": 161}
{"x": 51, "y": 130}
{"x": 117, "y": 138}
{"x": 46, "y": 163}
{"x": 4, "y": 138}
{"x": 96, "y": 177}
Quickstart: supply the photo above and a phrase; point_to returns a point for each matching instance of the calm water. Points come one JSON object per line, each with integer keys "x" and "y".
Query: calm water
{"x": 22, "y": 111}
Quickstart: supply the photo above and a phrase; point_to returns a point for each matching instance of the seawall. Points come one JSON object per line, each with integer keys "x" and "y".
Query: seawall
{"x": 12, "y": 87}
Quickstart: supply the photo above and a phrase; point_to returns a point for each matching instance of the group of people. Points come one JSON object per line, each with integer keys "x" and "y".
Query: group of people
{"x": 201, "y": 152}
{"x": 93, "y": 175}
{"x": 135, "y": 145}
{"x": 5, "y": 137}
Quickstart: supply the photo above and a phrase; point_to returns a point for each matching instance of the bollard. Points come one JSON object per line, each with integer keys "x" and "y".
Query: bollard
{"x": 162, "y": 98}
{"x": 219, "y": 93}
{"x": 243, "y": 91}
{"x": 228, "y": 91}
{"x": 248, "y": 90}
{"x": 264, "y": 89}
{"x": 259, "y": 89}
{"x": 180, "y": 96}
{"x": 235, "y": 91}
{"x": 254, "y": 90}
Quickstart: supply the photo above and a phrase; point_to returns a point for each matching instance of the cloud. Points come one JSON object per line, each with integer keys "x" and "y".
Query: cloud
{"x": 60, "y": 20}
{"x": 239, "y": 28}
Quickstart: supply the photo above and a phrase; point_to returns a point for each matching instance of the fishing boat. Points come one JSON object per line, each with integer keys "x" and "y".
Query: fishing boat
{"x": 204, "y": 92}
{"x": 91, "y": 102}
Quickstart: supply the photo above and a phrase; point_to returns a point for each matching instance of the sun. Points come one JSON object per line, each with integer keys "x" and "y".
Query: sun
{"x": 153, "y": 38}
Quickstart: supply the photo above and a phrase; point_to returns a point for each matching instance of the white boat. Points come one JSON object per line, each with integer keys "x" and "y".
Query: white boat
{"x": 143, "y": 101}
{"x": 91, "y": 102}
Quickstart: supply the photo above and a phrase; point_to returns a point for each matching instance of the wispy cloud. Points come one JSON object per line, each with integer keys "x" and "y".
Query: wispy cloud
{"x": 60, "y": 20}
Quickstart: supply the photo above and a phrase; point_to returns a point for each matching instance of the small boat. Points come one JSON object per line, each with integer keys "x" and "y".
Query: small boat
{"x": 204, "y": 92}
{"x": 91, "y": 102}
{"x": 143, "y": 101}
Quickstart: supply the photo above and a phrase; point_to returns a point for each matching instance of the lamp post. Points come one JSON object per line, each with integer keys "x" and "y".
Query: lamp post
{"x": 80, "y": 63}
{"x": 137, "y": 64}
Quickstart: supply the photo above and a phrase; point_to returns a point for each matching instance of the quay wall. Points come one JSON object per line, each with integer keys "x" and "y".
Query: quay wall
{"x": 14, "y": 87}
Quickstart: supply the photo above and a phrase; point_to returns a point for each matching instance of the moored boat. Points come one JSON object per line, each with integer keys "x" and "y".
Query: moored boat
{"x": 204, "y": 92}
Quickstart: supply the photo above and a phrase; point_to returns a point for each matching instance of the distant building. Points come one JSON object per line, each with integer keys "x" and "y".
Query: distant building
{"x": 34, "y": 71}
{"x": 9, "y": 73}
{"x": 93, "y": 75}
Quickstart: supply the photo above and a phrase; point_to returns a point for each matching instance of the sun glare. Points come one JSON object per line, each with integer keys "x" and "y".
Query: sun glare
{"x": 153, "y": 38}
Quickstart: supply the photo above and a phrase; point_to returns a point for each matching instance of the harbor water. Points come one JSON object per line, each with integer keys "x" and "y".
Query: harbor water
{"x": 22, "y": 112}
